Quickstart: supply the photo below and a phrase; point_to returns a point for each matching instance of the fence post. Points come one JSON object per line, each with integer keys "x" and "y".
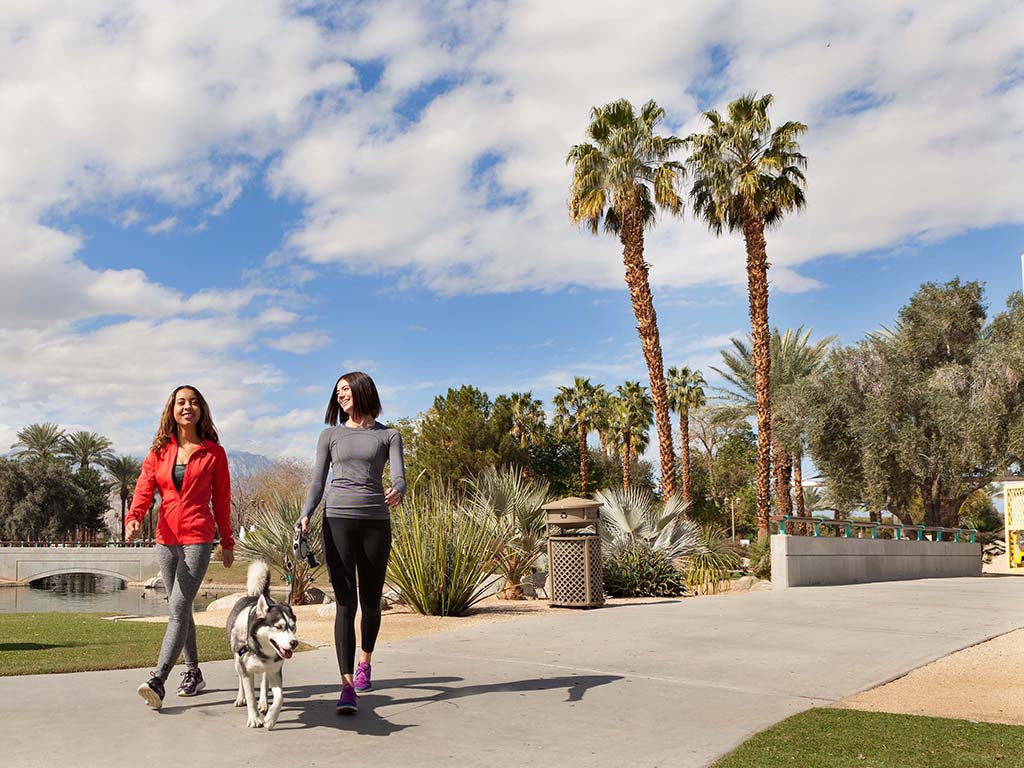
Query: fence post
{"x": 782, "y": 524}
{"x": 817, "y": 526}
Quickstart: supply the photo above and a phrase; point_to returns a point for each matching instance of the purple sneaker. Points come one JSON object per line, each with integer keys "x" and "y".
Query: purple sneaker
{"x": 363, "y": 677}
{"x": 347, "y": 703}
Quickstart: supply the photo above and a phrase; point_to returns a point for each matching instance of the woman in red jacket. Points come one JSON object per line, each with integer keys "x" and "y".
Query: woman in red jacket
{"x": 189, "y": 468}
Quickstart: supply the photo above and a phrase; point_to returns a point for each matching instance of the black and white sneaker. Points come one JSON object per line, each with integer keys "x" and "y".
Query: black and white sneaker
{"x": 191, "y": 682}
{"x": 152, "y": 692}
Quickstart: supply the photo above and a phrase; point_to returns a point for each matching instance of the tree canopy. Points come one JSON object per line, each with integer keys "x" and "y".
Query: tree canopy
{"x": 925, "y": 413}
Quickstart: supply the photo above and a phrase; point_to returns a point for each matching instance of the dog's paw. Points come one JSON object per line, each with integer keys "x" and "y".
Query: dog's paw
{"x": 240, "y": 701}
{"x": 254, "y": 722}
{"x": 263, "y": 707}
{"x": 269, "y": 723}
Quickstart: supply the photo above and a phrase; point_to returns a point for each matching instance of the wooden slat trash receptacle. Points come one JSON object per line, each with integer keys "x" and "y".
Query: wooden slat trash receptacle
{"x": 574, "y": 553}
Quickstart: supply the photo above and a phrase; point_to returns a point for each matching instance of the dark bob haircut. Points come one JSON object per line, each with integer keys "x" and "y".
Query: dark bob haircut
{"x": 365, "y": 400}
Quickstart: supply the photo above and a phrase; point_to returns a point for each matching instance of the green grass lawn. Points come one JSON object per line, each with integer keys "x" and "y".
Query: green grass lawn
{"x": 841, "y": 738}
{"x": 39, "y": 643}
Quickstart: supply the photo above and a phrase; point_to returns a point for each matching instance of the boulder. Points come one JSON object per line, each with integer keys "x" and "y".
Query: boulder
{"x": 327, "y": 610}
{"x": 225, "y": 603}
{"x": 156, "y": 582}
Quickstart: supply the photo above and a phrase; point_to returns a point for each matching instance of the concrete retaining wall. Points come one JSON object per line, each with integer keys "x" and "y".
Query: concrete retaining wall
{"x": 805, "y": 561}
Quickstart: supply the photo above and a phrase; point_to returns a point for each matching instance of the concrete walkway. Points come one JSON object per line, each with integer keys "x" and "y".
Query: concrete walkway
{"x": 664, "y": 684}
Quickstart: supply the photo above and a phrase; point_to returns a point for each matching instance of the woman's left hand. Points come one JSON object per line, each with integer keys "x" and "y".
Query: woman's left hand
{"x": 392, "y": 497}
{"x": 227, "y": 556}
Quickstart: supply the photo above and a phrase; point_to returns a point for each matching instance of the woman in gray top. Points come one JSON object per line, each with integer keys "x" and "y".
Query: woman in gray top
{"x": 357, "y": 523}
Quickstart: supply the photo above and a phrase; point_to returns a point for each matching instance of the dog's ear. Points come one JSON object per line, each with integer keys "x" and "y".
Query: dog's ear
{"x": 262, "y": 607}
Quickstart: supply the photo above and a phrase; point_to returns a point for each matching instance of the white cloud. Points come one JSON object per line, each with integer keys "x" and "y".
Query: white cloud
{"x": 915, "y": 113}
{"x": 301, "y": 343}
{"x": 166, "y": 225}
{"x": 908, "y": 104}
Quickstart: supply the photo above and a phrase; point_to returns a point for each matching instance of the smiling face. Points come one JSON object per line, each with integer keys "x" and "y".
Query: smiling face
{"x": 344, "y": 395}
{"x": 187, "y": 408}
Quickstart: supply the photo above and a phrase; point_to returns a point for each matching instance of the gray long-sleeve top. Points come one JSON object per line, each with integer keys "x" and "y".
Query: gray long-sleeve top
{"x": 357, "y": 457}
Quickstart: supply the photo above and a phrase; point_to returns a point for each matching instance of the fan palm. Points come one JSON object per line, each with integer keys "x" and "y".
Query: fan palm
{"x": 271, "y": 541}
{"x": 633, "y": 413}
{"x": 83, "y": 448}
{"x": 528, "y": 418}
{"x": 39, "y": 441}
{"x": 747, "y": 177}
{"x": 125, "y": 471}
{"x": 619, "y": 181}
{"x": 576, "y": 407}
{"x": 511, "y": 504}
{"x": 797, "y": 359}
{"x": 630, "y": 515}
{"x": 685, "y": 391}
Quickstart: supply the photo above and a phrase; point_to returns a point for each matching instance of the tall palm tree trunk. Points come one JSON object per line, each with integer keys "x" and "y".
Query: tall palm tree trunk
{"x": 124, "y": 504}
{"x": 783, "y": 480}
{"x": 684, "y": 456}
{"x": 584, "y": 464}
{"x": 757, "y": 287}
{"x": 632, "y": 238}
{"x": 798, "y": 485}
{"x": 626, "y": 461}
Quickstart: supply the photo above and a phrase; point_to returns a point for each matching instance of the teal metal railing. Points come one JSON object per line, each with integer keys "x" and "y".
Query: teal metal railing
{"x": 845, "y": 528}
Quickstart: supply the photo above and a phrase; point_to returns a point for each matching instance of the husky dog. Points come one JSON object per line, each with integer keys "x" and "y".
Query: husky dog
{"x": 261, "y": 634}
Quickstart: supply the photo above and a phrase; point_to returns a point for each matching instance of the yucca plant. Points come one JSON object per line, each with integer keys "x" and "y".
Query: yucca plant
{"x": 709, "y": 560}
{"x": 272, "y": 539}
{"x": 441, "y": 552}
{"x": 510, "y": 505}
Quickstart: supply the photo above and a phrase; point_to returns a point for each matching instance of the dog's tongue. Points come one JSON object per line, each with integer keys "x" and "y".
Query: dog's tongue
{"x": 285, "y": 653}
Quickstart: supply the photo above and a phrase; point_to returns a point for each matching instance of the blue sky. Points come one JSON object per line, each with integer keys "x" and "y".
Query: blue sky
{"x": 382, "y": 186}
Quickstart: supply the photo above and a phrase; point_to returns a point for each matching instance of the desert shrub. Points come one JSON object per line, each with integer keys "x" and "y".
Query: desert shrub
{"x": 509, "y": 504}
{"x": 441, "y": 553}
{"x": 274, "y": 517}
{"x": 639, "y": 570}
{"x": 760, "y": 554}
{"x": 709, "y": 560}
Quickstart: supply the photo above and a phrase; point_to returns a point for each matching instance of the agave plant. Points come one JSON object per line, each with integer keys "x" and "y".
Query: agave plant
{"x": 441, "y": 553}
{"x": 629, "y": 515}
{"x": 510, "y": 504}
{"x": 272, "y": 539}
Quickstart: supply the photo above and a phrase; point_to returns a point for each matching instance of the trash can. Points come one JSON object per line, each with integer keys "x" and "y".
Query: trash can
{"x": 574, "y": 553}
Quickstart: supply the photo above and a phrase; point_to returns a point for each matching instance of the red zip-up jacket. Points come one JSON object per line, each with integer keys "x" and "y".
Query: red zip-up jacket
{"x": 185, "y": 517}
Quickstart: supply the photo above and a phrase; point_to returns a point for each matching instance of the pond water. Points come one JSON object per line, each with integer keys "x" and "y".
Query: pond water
{"x": 92, "y": 593}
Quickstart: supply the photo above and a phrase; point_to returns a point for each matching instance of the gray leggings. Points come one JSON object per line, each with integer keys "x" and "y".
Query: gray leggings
{"x": 183, "y": 568}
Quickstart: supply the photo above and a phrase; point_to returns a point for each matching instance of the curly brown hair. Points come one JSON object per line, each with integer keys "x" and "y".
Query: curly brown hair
{"x": 168, "y": 427}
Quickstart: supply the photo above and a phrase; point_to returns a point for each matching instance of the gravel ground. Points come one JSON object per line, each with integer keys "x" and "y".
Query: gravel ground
{"x": 984, "y": 682}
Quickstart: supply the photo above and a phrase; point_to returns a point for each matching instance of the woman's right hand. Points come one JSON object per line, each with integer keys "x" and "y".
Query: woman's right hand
{"x": 131, "y": 529}
{"x": 304, "y": 524}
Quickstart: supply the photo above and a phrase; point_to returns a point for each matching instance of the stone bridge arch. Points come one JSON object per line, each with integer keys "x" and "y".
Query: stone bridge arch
{"x": 26, "y": 564}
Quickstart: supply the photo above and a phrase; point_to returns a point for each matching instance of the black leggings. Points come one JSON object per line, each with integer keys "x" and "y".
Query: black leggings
{"x": 351, "y": 546}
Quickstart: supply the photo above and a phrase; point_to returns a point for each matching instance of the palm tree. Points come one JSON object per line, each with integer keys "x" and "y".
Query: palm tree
{"x": 528, "y": 419}
{"x": 746, "y": 178}
{"x": 633, "y": 413}
{"x": 575, "y": 409}
{"x": 685, "y": 391}
{"x": 39, "y": 441}
{"x": 125, "y": 471}
{"x": 620, "y": 180}
{"x": 797, "y": 359}
{"x": 84, "y": 448}
{"x": 603, "y": 423}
